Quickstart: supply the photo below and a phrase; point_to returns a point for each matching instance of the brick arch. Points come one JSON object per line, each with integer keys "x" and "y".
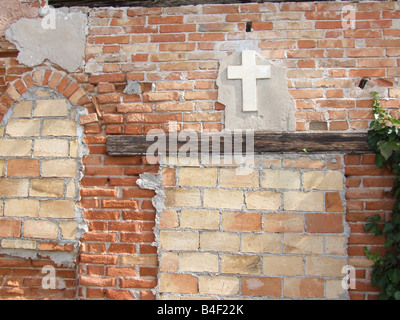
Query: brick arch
{"x": 53, "y": 79}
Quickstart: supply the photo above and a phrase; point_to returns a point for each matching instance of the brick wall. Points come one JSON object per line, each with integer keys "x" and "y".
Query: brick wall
{"x": 173, "y": 54}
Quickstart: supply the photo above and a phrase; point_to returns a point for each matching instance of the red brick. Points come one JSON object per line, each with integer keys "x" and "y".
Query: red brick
{"x": 23, "y": 168}
{"x": 121, "y": 272}
{"x": 10, "y": 228}
{"x": 120, "y": 204}
{"x": 324, "y": 223}
{"x": 257, "y": 286}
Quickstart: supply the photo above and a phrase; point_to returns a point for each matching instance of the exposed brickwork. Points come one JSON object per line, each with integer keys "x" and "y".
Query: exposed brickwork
{"x": 173, "y": 54}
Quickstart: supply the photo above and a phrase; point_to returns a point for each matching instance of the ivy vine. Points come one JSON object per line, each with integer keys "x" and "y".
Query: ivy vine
{"x": 384, "y": 140}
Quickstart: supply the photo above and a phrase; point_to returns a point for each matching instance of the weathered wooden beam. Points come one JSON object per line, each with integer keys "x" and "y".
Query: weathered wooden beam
{"x": 152, "y": 3}
{"x": 263, "y": 143}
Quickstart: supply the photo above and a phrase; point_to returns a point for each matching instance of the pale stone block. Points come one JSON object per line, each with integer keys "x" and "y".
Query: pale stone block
{"x": 40, "y": 229}
{"x": 223, "y": 198}
{"x": 205, "y": 177}
{"x": 59, "y": 128}
{"x": 322, "y": 180}
{"x": 51, "y": 108}
{"x": 334, "y": 289}
{"x": 283, "y": 265}
{"x": 280, "y": 179}
{"x": 335, "y": 245}
{"x": 303, "y": 244}
{"x": 18, "y": 244}
{"x": 23, "y": 128}
{"x": 15, "y": 148}
{"x": 219, "y": 241}
{"x": 199, "y": 219}
{"x": 59, "y": 168}
{"x": 238, "y": 178}
{"x": 21, "y": 208}
{"x": 57, "y": 209}
{"x": 220, "y": 285}
{"x": 179, "y": 240}
{"x": 263, "y": 200}
{"x": 22, "y": 109}
{"x": 46, "y": 188}
{"x": 50, "y": 148}
{"x": 198, "y": 262}
{"x": 325, "y": 266}
{"x": 14, "y": 187}
{"x": 68, "y": 229}
{"x": 179, "y": 197}
{"x": 261, "y": 243}
{"x": 241, "y": 264}
{"x": 303, "y": 201}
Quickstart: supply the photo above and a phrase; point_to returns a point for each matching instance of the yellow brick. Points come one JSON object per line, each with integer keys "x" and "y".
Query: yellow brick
{"x": 335, "y": 245}
{"x": 303, "y": 287}
{"x": 59, "y": 168}
{"x": 321, "y": 180}
{"x": 282, "y": 265}
{"x": 169, "y": 219}
{"x": 325, "y": 266}
{"x": 50, "y": 148}
{"x": 1, "y": 208}
{"x": 22, "y": 109}
{"x": 222, "y": 198}
{"x": 57, "y": 209}
{"x": 21, "y": 208}
{"x": 182, "y": 162}
{"x": 198, "y": 262}
{"x": 139, "y": 260}
{"x": 18, "y": 244}
{"x": 51, "y": 108}
{"x": 334, "y": 290}
{"x": 303, "y": 201}
{"x": 14, "y": 187}
{"x": 178, "y": 283}
{"x": 68, "y": 229}
{"x": 303, "y": 244}
{"x": 268, "y": 163}
{"x": 261, "y": 243}
{"x": 23, "y": 128}
{"x": 280, "y": 179}
{"x": 46, "y": 188}
{"x": 360, "y": 262}
{"x": 199, "y": 219}
{"x": 283, "y": 222}
{"x": 241, "y": 221}
{"x": 242, "y": 264}
{"x": 204, "y": 177}
{"x": 179, "y": 240}
{"x": 169, "y": 262}
{"x": 180, "y": 197}
{"x": 2, "y": 129}
{"x": 71, "y": 189}
{"x": 15, "y": 148}
{"x": 2, "y": 167}
{"x": 238, "y": 178}
{"x": 219, "y": 285}
{"x": 73, "y": 148}
{"x": 59, "y": 128}
{"x": 43, "y": 93}
{"x": 219, "y": 241}
{"x": 40, "y": 229}
{"x": 263, "y": 200}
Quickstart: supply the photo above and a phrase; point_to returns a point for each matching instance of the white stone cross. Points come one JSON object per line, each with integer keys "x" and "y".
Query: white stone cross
{"x": 249, "y": 72}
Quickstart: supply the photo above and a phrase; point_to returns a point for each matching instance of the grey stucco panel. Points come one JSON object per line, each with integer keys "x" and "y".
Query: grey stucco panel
{"x": 276, "y": 107}
{"x": 64, "y": 45}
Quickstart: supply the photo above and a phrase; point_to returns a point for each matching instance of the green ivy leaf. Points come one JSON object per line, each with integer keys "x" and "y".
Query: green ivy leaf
{"x": 394, "y": 275}
{"x": 386, "y": 148}
{"x": 397, "y": 295}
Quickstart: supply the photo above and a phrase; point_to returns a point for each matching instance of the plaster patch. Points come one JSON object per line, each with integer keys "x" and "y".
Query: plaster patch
{"x": 64, "y": 45}
{"x": 275, "y": 105}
